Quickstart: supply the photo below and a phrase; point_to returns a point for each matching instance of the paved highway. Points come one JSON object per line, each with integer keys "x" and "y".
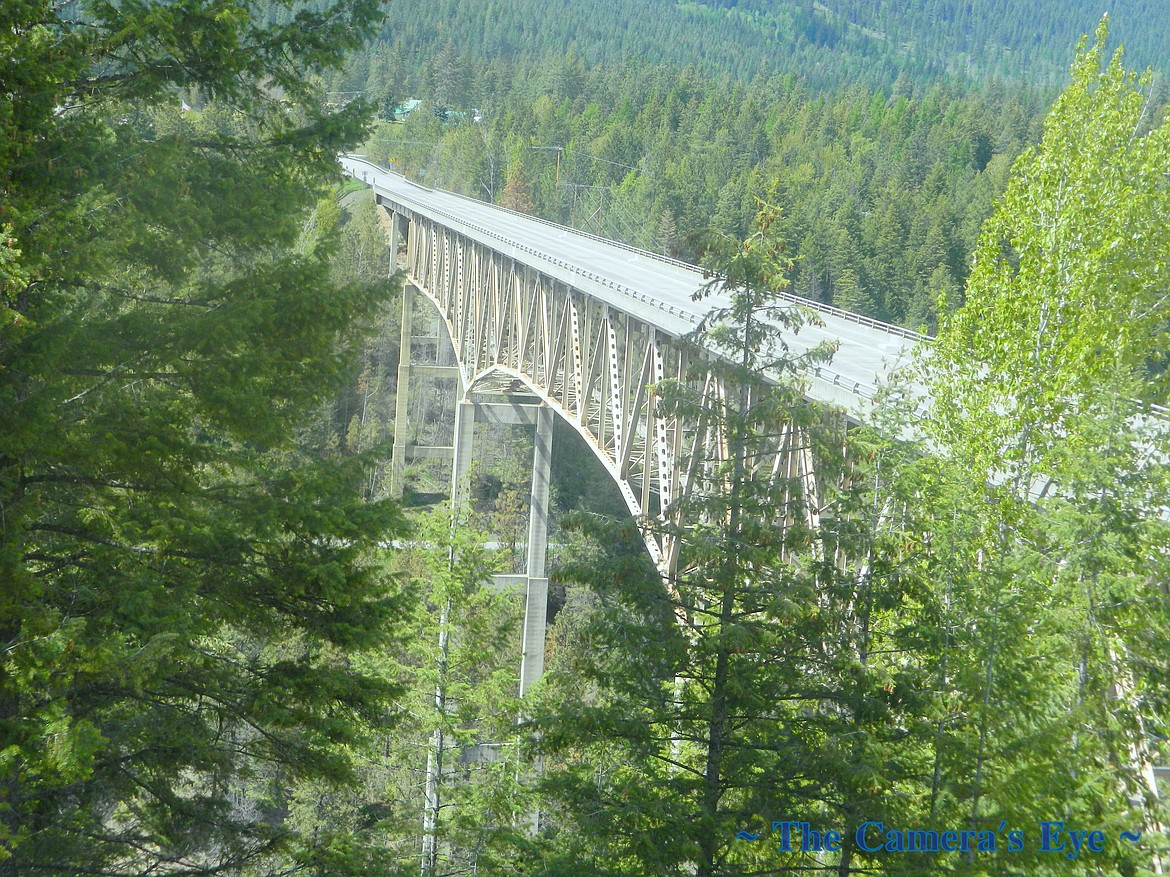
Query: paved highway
{"x": 651, "y": 287}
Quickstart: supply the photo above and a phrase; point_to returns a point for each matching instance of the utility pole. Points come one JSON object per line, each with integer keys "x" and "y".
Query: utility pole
{"x": 558, "y": 150}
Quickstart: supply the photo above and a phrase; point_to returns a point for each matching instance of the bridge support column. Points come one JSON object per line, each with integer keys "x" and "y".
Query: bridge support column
{"x": 467, "y": 413}
{"x": 536, "y": 599}
{"x": 464, "y": 446}
{"x": 402, "y": 393}
{"x": 460, "y": 494}
{"x": 536, "y": 602}
{"x": 396, "y": 228}
{"x": 407, "y": 371}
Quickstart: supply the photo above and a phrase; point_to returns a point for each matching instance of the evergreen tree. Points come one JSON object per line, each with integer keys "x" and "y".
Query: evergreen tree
{"x": 185, "y": 587}
{"x": 467, "y": 696}
{"x": 773, "y": 677}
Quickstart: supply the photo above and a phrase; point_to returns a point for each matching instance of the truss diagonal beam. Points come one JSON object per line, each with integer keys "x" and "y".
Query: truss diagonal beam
{"x": 592, "y": 363}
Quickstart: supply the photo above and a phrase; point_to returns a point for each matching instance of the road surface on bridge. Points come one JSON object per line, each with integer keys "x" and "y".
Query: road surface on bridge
{"x": 652, "y": 288}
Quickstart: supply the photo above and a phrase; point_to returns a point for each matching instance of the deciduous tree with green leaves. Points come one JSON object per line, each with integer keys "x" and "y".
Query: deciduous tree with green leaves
{"x": 1043, "y": 387}
{"x": 1067, "y": 302}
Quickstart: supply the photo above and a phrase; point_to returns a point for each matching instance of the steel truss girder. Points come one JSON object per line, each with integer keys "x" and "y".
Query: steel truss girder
{"x": 595, "y": 366}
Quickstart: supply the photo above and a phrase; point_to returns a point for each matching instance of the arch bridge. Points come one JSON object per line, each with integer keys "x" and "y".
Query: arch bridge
{"x": 563, "y": 323}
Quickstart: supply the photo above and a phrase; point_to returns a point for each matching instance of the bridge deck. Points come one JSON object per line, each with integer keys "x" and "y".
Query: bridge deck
{"x": 655, "y": 289}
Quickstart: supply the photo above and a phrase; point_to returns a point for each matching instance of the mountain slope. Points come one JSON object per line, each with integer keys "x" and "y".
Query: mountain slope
{"x": 829, "y": 43}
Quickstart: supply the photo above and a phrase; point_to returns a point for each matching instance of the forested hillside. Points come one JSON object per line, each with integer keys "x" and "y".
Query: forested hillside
{"x": 829, "y": 44}
{"x": 885, "y": 155}
{"x": 882, "y": 191}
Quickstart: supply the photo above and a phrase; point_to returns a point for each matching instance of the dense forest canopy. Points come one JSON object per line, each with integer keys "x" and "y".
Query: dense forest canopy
{"x": 882, "y": 191}
{"x": 830, "y": 44}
